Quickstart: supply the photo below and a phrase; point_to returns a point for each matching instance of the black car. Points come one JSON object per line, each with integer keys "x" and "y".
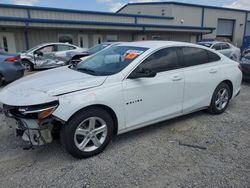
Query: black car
{"x": 10, "y": 67}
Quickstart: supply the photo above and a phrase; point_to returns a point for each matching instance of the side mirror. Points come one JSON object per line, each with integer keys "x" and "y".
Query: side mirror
{"x": 142, "y": 73}
{"x": 38, "y": 53}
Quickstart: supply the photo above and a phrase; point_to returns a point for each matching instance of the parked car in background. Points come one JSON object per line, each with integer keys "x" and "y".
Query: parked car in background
{"x": 76, "y": 58}
{"x": 245, "y": 64}
{"x": 10, "y": 67}
{"x": 122, "y": 88}
{"x": 49, "y": 55}
{"x": 225, "y": 48}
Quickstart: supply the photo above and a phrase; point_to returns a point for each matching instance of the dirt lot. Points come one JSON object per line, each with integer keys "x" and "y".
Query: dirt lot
{"x": 149, "y": 157}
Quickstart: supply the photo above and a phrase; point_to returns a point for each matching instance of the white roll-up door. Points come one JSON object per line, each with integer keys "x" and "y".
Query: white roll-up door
{"x": 248, "y": 29}
{"x": 225, "y": 27}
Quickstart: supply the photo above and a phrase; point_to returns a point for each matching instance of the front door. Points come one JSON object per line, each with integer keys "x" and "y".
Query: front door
{"x": 97, "y": 39}
{"x": 83, "y": 41}
{"x": 44, "y": 57}
{"x": 148, "y": 100}
{"x": 7, "y": 42}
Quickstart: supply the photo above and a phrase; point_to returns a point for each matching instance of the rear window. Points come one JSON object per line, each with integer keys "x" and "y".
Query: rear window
{"x": 205, "y": 44}
{"x": 225, "y": 46}
{"x": 194, "y": 56}
{"x": 213, "y": 57}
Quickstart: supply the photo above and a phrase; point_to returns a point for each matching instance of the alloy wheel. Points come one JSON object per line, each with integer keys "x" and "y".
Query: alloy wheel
{"x": 90, "y": 134}
{"x": 222, "y": 99}
{"x": 27, "y": 66}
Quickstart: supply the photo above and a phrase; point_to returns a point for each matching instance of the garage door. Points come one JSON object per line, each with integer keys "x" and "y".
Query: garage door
{"x": 225, "y": 28}
{"x": 248, "y": 29}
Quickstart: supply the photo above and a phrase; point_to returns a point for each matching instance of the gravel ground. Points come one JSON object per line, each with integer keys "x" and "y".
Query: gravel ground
{"x": 148, "y": 157}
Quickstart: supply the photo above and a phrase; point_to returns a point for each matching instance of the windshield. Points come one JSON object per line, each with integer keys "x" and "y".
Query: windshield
{"x": 110, "y": 61}
{"x": 98, "y": 48}
{"x": 206, "y": 44}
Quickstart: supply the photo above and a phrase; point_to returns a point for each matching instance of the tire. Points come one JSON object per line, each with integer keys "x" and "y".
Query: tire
{"x": 1, "y": 80}
{"x": 221, "y": 98}
{"x": 27, "y": 65}
{"x": 87, "y": 142}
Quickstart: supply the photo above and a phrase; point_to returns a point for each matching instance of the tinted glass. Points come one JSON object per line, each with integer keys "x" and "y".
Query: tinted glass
{"x": 217, "y": 46}
{"x": 205, "y": 44}
{"x": 64, "y": 48}
{"x": 194, "y": 56}
{"x": 98, "y": 48}
{"x": 162, "y": 60}
{"x": 213, "y": 57}
{"x": 110, "y": 61}
{"x": 225, "y": 46}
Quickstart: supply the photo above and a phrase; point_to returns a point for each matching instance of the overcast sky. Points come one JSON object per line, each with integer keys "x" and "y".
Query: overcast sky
{"x": 113, "y": 5}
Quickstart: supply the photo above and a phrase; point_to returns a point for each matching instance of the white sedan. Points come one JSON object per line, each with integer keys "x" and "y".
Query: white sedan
{"x": 225, "y": 48}
{"x": 122, "y": 88}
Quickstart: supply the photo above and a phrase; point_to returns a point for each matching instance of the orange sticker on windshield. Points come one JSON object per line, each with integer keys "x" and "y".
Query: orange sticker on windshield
{"x": 131, "y": 56}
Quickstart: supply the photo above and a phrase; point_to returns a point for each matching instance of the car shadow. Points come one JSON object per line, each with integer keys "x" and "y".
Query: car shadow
{"x": 147, "y": 130}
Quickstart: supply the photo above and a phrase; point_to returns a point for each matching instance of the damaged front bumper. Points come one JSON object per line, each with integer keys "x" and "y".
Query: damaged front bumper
{"x": 36, "y": 132}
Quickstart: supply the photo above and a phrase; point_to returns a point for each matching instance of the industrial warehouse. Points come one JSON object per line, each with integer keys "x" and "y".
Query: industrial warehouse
{"x": 23, "y": 27}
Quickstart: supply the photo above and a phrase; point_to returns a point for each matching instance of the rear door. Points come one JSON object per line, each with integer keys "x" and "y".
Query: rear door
{"x": 152, "y": 99}
{"x": 64, "y": 52}
{"x": 202, "y": 75}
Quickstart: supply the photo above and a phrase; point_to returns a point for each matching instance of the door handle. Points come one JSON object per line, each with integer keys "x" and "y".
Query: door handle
{"x": 176, "y": 78}
{"x": 212, "y": 71}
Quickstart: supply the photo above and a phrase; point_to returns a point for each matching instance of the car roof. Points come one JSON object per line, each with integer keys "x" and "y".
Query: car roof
{"x": 56, "y": 43}
{"x": 212, "y": 42}
{"x": 157, "y": 44}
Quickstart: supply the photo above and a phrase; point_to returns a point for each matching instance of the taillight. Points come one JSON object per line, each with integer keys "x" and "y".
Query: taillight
{"x": 240, "y": 67}
{"x": 13, "y": 59}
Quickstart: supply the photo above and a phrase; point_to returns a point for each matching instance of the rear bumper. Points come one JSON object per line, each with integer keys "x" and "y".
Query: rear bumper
{"x": 246, "y": 71}
{"x": 13, "y": 72}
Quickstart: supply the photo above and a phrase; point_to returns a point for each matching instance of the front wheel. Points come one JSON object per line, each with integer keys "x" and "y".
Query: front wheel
{"x": 87, "y": 133}
{"x": 28, "y": 66}
{"x": 220, "y": 99}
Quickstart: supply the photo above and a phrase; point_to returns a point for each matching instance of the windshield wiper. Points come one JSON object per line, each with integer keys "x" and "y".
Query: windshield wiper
{"x": 89, "y": 71}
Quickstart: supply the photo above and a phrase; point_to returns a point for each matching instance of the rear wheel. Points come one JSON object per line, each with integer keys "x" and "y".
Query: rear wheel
{"x": 28, "y": 66}
{"x": 87, "y": 133}
{"x": 220, "y": 99}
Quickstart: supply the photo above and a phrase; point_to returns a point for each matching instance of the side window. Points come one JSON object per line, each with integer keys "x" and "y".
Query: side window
{"x": 213, "y": 57}
{"x": 47, "y": 49}
{"x": 61, "y": 48}
{"x": 216, "y": 46}
{"x": 225, "y": 46}
{"x": 194, "y": 56}
{"x": 162, "y": 60}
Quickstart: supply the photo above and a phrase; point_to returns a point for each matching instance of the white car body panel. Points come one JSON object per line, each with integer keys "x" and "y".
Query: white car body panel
{"x": 48, "y": 85}
{"x": 203, "y": 79}
{"x": 136, "y": 102}
{"x": 143, "y": 104}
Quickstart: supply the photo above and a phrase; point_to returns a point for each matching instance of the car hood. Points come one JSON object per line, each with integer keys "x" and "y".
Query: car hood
{"x": 46, "y": 86}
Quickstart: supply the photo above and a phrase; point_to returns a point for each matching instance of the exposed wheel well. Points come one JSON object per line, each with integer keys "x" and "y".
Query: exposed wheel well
{"x": 27, "y": 60}
{"x": 106, "y": 108}
{"x": 230, "y": 84}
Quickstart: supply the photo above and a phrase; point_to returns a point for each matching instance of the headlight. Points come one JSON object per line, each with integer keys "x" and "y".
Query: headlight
{"x": 39, "y": 111}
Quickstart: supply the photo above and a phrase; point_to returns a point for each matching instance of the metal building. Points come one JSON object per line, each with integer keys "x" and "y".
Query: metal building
{"x": 22, "y": 27}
